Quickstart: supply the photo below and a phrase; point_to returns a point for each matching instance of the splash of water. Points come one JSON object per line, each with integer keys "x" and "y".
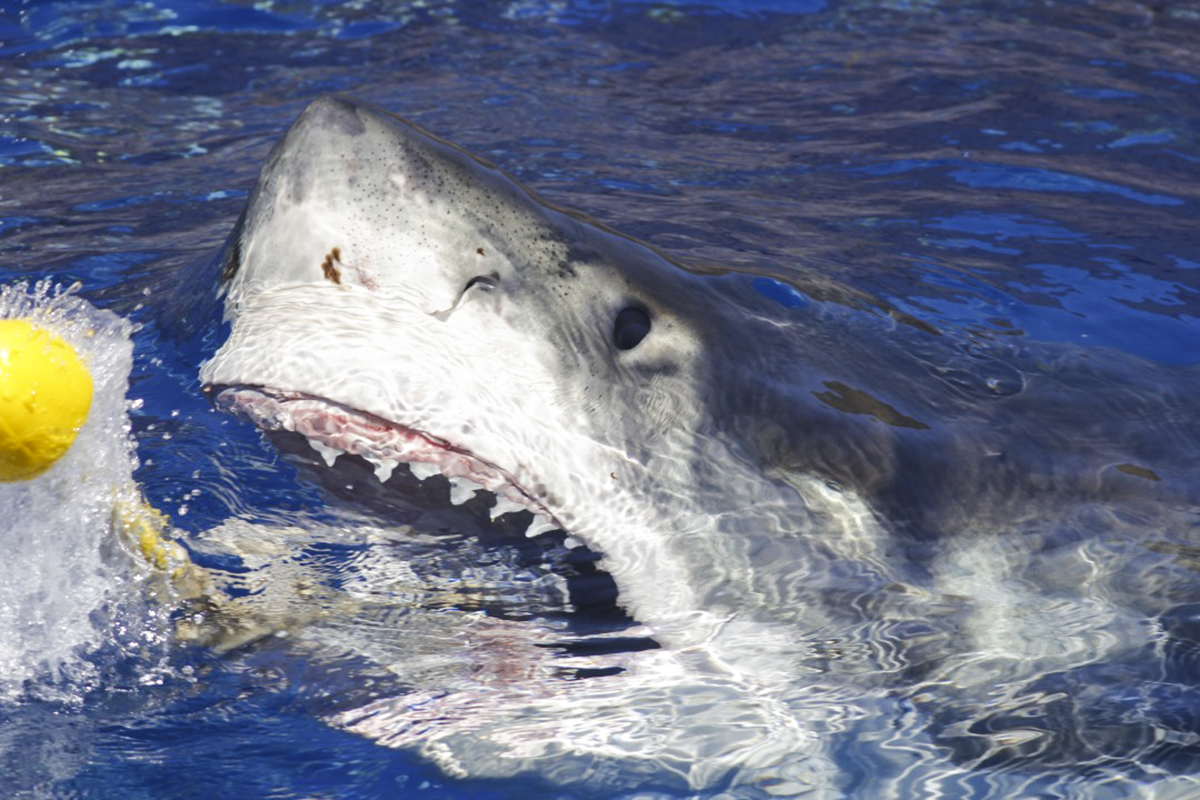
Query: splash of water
{"x": 66, "y": 587}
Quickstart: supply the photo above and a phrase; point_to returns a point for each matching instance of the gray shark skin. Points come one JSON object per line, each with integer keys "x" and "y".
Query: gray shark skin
{"x": 778, "y": 485}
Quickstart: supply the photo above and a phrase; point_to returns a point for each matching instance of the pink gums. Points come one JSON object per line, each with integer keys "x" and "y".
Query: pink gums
{"x": 378, "y": 440}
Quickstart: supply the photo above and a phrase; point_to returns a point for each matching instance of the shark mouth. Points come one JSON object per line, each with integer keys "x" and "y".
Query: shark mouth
{"x": 333, "y": 429}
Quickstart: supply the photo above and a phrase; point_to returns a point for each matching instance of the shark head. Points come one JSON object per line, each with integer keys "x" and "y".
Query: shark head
{"x": 394, "y": 297}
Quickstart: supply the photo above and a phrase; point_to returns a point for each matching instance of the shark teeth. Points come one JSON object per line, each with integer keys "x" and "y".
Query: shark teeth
{"x": 505, "y": 506}
{"x": 462, "y": 490}
{"x": 384, "y": 467}
{"x": 328, "y": 453}
{"x": 541, "y": 524}
{"x": 423, "y": 469}
{"x": 333, "y": 429}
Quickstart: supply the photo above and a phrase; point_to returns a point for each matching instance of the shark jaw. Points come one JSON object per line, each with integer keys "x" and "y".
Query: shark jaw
{"x": 334, "y": 429}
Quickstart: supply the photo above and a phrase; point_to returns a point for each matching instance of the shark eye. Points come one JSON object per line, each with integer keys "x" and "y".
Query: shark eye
{"x": 630, "y": 327}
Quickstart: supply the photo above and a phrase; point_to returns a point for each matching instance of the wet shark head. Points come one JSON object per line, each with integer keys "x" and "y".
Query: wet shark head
{"x": 393, "y": 297}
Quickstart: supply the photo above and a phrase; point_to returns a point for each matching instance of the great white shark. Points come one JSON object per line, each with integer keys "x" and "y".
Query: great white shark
{"x": 771, "y": 478}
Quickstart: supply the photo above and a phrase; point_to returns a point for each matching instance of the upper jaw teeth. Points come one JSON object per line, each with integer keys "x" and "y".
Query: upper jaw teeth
{"x": 330, "y": 454}
{"x": 504, "y": 506}
{"x": 383, "y": 468}
{"x": 540, "y": 525}
{"x": 462, "y": 488}
{"x": 423, "y": 469}
{"x": 332, "y": 429}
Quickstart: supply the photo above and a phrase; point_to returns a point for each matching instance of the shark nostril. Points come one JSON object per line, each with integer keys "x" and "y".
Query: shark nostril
{"x": 630, "y": 327}
{"x": 485, "y": 282}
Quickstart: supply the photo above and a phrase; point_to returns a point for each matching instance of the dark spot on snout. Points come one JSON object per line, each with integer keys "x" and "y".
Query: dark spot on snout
{"x": 329, "y": 266}
{"x": 479, "y": 250}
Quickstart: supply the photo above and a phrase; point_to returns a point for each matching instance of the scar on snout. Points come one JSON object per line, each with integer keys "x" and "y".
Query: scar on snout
{"x": 327, "y": 266}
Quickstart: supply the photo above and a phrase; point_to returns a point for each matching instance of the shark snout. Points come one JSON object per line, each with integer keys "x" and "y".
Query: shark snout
{"x": 335, "y": 114}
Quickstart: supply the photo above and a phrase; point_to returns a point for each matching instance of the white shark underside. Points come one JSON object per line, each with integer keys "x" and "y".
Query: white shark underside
{"x": 772, "y": 489}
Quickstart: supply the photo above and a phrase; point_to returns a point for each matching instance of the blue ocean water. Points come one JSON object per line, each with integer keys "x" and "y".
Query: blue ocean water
{"x": 997, "y": 171}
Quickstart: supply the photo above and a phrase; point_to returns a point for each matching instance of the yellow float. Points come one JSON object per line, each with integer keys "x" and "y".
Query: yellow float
{"x": 45, "y": 394}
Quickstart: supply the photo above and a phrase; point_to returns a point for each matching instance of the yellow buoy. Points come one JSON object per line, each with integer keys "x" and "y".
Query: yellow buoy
{"x": 45, "y": 394}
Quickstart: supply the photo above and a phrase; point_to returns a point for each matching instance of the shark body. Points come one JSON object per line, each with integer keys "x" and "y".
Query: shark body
{"x": 779, "y": 485}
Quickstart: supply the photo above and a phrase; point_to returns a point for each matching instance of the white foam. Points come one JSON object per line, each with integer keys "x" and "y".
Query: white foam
{"x": 63, "y": 592}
